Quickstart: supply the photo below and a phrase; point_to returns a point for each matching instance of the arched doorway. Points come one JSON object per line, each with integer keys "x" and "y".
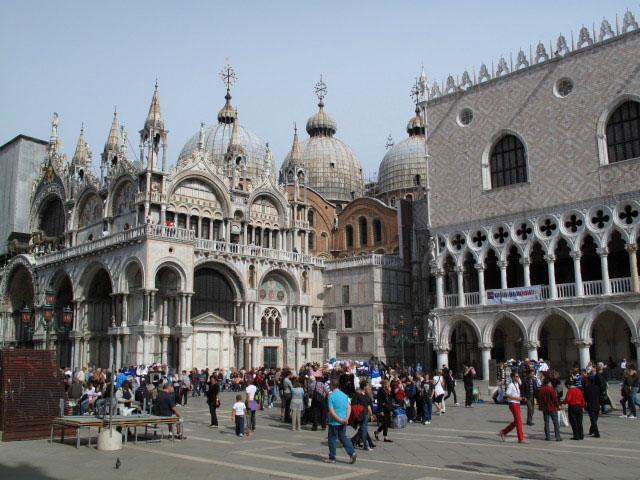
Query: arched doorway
{"x": 611, "y": 338}
{"x": 464, "y": 348}
{"x": 63, "y": 298}
{"x": 557, "y": 345}
{"x": 99, "y": 318}
{"x": 212, "y": 293}
{"x": 20, "y": 294}
{"x": 507, "y": 341}
{"x": 167, "y": 284}
{"x": 133, "y": 310}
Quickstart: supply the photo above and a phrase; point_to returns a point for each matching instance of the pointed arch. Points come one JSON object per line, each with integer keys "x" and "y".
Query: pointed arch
{"x": 450, "y": 324}
{"x": 489, "y": 329}
{"x": 534, "y": 332}
{"x": 592, "y": 316}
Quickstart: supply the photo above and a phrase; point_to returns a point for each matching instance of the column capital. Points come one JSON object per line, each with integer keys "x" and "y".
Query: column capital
{"x": 525, "y": 261}
{"x": 485, "y": 345}
{"x": 442, "y": 347}
{"x": 583, "y": 342}
{"x": 635, "y": 341}
{"x": 603, "y": 252}
{"x": 480, "y": 267}
{"x": 458, "y": 269}
{"x": 503, "y": 264}
{"x": 550, "y": 258}
{"x": 438, "y": 272}
{"x": 631, "y": 247}
{"x": 576, "y": 254}
{"x": 534, "y": 344}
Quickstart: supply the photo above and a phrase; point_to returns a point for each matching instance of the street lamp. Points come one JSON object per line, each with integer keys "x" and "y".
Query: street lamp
{"x": 48, "y": 319}
{"x": 402, "y": 337}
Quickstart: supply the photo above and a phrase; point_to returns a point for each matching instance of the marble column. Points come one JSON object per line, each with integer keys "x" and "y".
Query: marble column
{"x": 483, "y": 293}
{"x": 125, "y": 309}
{"x": 145, "y": 349}
{"x": 247, "y": 350}
{"x": 577, "y": 273}
{"x": 485, "y": 349}
{"x": 152, "y": 306}
{"x": 526, "y": 262}
{"x": 442, "y": 354}
{"x": 77, "y": 353}
{"x": 307, "y": 350}
{"x": 604, "y": 266}
{"x": 164, "y": 353}
{"x": 439, "y": 273}
{"x": 187, "y": 321}
{"x": 460, "y": 277}
{"x": 583, "y": 350}
{"x": 551, "y": 271}
{"x": 125, "y": 349}
{"x": 636, "y": 342}
{"x": 503, "y": 274}
{"x": 632, "y": 250}
{"x": 118, "y": 351}
{"x": 532, "y": 350}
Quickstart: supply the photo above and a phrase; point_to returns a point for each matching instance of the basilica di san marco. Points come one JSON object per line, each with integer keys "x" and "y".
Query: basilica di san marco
{"x": 221, "y": 260}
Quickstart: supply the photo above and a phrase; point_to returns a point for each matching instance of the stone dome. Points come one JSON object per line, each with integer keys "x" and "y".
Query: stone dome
{"x": 333, "y": 170}
{"x": 400, "y": 167}
{"x": 216, "y": 142}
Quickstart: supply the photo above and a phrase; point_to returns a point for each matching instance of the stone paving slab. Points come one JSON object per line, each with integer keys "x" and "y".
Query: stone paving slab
{"x": 462, "y": 444}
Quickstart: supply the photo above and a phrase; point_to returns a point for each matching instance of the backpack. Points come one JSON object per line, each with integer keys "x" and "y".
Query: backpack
{"x": 399, "y": 395}
{"x": 356, "y": 413}
{"x": 318, "y": 394}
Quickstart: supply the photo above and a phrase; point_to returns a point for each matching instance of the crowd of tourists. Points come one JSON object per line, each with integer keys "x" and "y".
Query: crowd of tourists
{"x": 339, "y": 394}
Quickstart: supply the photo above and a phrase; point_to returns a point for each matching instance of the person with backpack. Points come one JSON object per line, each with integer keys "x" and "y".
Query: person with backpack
{"x": 438, "y": 388}
{"x": 384, "y": 411}
{"x": 318, "y": 393}
{"x": 361, "y": 413}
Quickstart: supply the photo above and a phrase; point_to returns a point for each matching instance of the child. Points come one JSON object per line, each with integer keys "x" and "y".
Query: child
{"x": 238, "y": 412}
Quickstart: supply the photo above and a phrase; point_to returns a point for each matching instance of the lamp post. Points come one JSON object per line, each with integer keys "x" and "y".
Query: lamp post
{"x": 401, "y": 336}
{"x": 48, "y": 319}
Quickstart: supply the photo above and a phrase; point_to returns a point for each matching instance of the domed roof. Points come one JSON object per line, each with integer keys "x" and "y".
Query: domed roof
{"x": 321, "y": 123}
{"x": 401, "y": 164}
{"x": 333, "y": 170}
{"x": 217, "y": 138}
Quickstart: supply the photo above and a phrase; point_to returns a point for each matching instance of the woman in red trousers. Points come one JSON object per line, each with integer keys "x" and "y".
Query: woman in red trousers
{"x": 514, "y": 398}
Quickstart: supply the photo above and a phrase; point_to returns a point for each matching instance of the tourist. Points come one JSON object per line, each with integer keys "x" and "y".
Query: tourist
{"x": 238, "y": 412}
{"x": 287, "y": 388}
{"x": 318, "y": 393}
{"x": 384, "y": 410}
{"x": 549, "y": 404}
{"x": 530, "y": 392}
{"x": 427, "y": 399}
{"x": 450, "y": 384}
{"x": 467, "y": 379}
{"x": 592, "y": 396}
{"x": 514, "y": 398}
{"x": 185, "y": 386}
{"x": 213, "y": 400}
{"x": 362, "y": 398}
{"x": 339, "y": 410}
{"x": 576, "y": 403}
{"x": 438, "y": 395}
{"x": 166, "y": 407}
{"x": 252, "y": 403}
{"x": 271, "y": 387}
{"x": 297, "y": 405}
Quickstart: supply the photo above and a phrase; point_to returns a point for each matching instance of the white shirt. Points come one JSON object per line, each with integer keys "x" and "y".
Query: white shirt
{"x": 514, "y": 390}
{"x": 239, "y": 408}
{"x": 251, "y": 391}
{"x": 543, "y": 367}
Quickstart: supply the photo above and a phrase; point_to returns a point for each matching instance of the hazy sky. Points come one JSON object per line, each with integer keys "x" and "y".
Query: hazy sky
{"x": 81, "y": 58}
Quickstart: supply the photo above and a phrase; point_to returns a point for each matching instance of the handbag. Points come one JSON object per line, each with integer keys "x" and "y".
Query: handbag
{"x": 563, "y": 418}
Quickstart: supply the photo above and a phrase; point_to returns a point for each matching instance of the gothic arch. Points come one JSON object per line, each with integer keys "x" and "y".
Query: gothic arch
{"x": 489, "y": 329}
{"x": 591, "y": 317}
{"x": 486, "y": 155}
{"x": 601, "y": 126}
{"x": 450, "y": 324}
{"x": 534, "y": 331}
{"x": 38, "y": 209}
{"x": 233, "y": 276}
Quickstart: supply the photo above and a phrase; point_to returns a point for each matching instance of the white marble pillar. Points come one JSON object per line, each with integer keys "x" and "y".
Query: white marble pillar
{"x": 460, "y": 277}
{"x": 525, "y": 267}
{"x": 636, "y": 342}
{"x": 583, "y": 350}
{"x": 125, "y": 349}
{"x": 164, "y": 357}
{"x": 481, "y": 288}
{"x": 577, "y": 273}
{"x": 442, "y": 354}
{"x": 145, "y": 349}
{"x": 125, "y": 309}
{"x": 307, "y": 351}
{"x": 551, "y": 271}
{"x": 118, "y": 352}
{"x": 439, "y": 273}
{"x": 485, "y": 349}
{"x": 632, "y": 250}
{"x": 503, "y": 274}
{"x": 532, "y": 350}
{"x": 604, "y": 266}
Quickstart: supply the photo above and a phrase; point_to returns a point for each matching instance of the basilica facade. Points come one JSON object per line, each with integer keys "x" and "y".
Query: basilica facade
{"x": 218, "y": 261}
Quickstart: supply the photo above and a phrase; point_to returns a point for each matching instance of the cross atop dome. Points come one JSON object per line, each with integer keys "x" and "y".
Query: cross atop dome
{"x": 321, "y": 89}
{"x": 228, "y": 75}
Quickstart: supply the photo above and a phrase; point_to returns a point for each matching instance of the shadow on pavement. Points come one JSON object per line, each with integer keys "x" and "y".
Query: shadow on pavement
{"x": 23, "y": 471}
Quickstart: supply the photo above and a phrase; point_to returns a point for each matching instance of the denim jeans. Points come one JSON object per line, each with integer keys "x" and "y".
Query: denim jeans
{"x": 427, "y": 407}
{"x": 634, "y": 396}
{"x": 339, "y": 432}
{"x": 364, "y": 432}
{"x": 272, "y": 395}
{"x": 551, "y": 416}
{"x": 239, "y": 424}
{"x": 252, "y": 420}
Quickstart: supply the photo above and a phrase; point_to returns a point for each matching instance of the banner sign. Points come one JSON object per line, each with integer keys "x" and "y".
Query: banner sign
{"x": 514, "y": 295}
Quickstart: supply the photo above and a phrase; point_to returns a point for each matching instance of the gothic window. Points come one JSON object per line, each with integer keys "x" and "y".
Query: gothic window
{"x": 377, "y": 231}
{"x": 349, "y": 234}
{"x": 53, "y": 218}
{"x": 212, "y": 294}
{"x": 270, "y": 322}
{"x": 362, "y": 223}
{"x": 311, "y": 217}
{"x": 312, "y": 241}
{"x": 508, "y": 162}
{"x": 317, "y": 328}
{"x": 623, "y": 132}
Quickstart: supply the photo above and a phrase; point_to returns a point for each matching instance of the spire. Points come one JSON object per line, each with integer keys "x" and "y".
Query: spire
{"x": 390, "y": 143}
{"x": 113, "y": 141}
{"x": 295, "y": 150}
{"x": 80, "y": 157}
{"x": 234, "y": 144}
{"x": 227, "y": 113}
{"x": 154, "y": 118}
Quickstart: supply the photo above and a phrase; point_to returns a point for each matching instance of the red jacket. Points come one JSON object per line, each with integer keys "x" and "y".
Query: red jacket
{"x": 548, "y": 399}
{"x": 575, "y": 397}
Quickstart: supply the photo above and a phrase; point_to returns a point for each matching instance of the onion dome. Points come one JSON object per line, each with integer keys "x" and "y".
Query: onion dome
{"x": 404, "y": 168}
{"x": 332, "y": 169}
{"x": 217, "y": 138}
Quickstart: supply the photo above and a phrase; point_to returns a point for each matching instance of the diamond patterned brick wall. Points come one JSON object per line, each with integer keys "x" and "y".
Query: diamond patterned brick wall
{"x": 559, "y": 134}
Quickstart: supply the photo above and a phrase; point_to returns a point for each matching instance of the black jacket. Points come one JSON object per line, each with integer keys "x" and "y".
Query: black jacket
{"x": 526, "y": 390}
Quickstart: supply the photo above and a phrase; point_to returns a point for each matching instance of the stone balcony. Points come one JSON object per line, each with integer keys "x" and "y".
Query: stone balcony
{"x": 365, "y": 260}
